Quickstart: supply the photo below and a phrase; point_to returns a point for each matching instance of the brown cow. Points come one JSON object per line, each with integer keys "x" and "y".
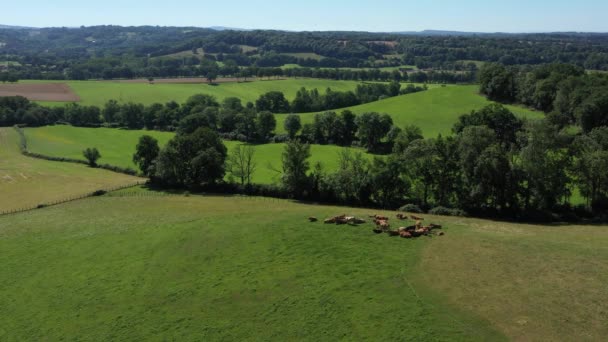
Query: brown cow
{"x": 416, "y": 218}
{"x": 402, "y": 216}
{"x": 405, "y": 235}
{"x": 313, "y": 219}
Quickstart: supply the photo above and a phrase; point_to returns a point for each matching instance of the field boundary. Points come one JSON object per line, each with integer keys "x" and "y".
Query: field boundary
{"x": 27, "y": 153}
{"x": 95, "y": 193}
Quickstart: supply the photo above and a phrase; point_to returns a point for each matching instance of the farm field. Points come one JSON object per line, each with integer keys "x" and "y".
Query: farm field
{"x": 217, "y": 268}
{"x": 26, "y": 182}
{"x": 99, "y": 92}
{"x": 117, "y": 148}
{"x": 435, "y": 111}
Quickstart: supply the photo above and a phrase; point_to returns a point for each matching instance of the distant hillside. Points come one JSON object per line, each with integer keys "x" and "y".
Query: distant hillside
{"x": 9, "y": 27}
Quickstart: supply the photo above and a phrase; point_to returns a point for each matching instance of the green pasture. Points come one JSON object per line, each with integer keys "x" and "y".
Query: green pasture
{"x": 117, "y": 148}
{"x": 27, "y": 182}
{"x": 99, "y": 92}
{"x": 435, "y": 111}
{"x": 144, "y": 265}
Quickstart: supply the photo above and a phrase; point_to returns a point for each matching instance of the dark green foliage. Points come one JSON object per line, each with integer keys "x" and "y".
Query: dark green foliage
{"x": 292, "y": 124}
{"x": 496, "y": 117}
{"x": 273, "y": 101}
{"x": 192, "y": 160}
{"x": 497, "y": 82}
{"x": 146, "y": 152}
{"x": 266, "y": 123}
{"x": 373, "y": 127}
{"x": 91, "y": 155}
{"x": 295, "y": 167}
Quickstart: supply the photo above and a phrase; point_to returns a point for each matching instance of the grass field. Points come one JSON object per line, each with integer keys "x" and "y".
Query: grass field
{"x": 234, "y": 268}
{"x": 211, "y": 268}
{"x": 117, "y": 148}
{"x": 533, "y": 283}
{"x": 26, "y": 182}
{"x": 99, "y": 92}
{"x": 434, "y": 111}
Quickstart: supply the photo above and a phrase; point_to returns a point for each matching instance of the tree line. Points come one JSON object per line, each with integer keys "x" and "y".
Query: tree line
{"x": 120, "y": 52}
{"x": 494, "y": 165}
{"x": 230, "y": 118}
{"x": 568, "y": 94}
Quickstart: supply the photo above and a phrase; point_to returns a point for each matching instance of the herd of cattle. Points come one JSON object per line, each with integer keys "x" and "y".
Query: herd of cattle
{"x": 383, "y": 225}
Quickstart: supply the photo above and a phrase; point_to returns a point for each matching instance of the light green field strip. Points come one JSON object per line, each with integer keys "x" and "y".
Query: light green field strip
{"x": 26, "y": 182}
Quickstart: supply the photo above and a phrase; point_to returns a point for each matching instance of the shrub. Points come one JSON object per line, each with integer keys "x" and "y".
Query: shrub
{"x": 443, "y": 211}
{"x": 99, "y": 193}
{"x": 280, "y": 138}
{"x": 411, "y": 208}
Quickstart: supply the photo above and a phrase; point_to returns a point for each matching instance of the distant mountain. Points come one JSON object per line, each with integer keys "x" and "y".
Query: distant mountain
{"x": 9, "y": 27}
{"x": 224, "y": 28}
{"x": 449, "y": 33}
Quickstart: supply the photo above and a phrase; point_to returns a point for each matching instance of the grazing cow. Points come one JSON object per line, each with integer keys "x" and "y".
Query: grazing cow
{"x": 378, "y": 230}
{"x": 416, "y": 218}
{"x": 405, "y": 235}
{"x": 440, "y": 234}
{"x": 401, "y": 216}
{"x": 313, "y": 219}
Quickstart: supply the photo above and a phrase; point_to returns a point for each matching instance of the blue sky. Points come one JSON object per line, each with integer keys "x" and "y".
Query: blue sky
{"x": 377, "y": 15}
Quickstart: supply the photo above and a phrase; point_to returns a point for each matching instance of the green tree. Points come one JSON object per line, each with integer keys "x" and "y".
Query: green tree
{"x": 373, "y": 127}
{"x": 91, "y": 155}
{"x": 146, "y": 152}
{"x": 544, "y": 159}
{"x": 273, "y": 101}
{"x": 292, "y": 125}
{"x": 266, "y": 123}
{"x": 192, "y": 160}
{"x": 497, "y": 82}
{"x": 241, "y": 163}
{"x": 407, "y": 135}
{"x": 295, "y": 167}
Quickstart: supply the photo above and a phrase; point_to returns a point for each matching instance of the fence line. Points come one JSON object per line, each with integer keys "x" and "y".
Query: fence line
{"x": 95, "y": 193}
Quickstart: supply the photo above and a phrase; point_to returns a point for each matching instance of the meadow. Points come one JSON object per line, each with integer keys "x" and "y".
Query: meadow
{"x": 165, "y": 267}
{"x": 99, "y": 92}
{"x": 117, "y": 148}
{"x": 435, "y": 111}
{"x": 27, "y": 182}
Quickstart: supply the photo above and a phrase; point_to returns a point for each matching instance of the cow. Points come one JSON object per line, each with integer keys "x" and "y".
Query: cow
{"x": 405, "y": 235}
{"x": 402, "y": 216}
{"x": 416, "y": 218}
{"x": 313, "y": 219}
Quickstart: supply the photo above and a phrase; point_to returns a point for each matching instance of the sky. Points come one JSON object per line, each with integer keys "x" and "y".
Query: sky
{"x": 319, "y": 15}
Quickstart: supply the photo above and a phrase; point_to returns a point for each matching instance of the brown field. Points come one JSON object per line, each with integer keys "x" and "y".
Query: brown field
{"x": 59, "y": 92}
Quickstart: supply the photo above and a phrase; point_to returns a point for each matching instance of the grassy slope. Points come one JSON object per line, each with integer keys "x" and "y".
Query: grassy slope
{"x": 534, "y": 283}
{"x": 435, "y": 110}
{"x": 212, "y": 268}
{"x": 99, "y": 92}
{"x": 117, "y": 147}
{"x": 26, "y": 182}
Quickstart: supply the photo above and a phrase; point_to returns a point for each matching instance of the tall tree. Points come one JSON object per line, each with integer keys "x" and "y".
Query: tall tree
{"x": 241, "y": 163}
{"x": 295, "y": 167}
{"x": 146, "y": 152}
{"x": 292, "y": 125}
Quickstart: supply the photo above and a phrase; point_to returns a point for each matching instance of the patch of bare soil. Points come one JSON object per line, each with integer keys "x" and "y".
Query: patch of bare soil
{"x": 59, "y": 92}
